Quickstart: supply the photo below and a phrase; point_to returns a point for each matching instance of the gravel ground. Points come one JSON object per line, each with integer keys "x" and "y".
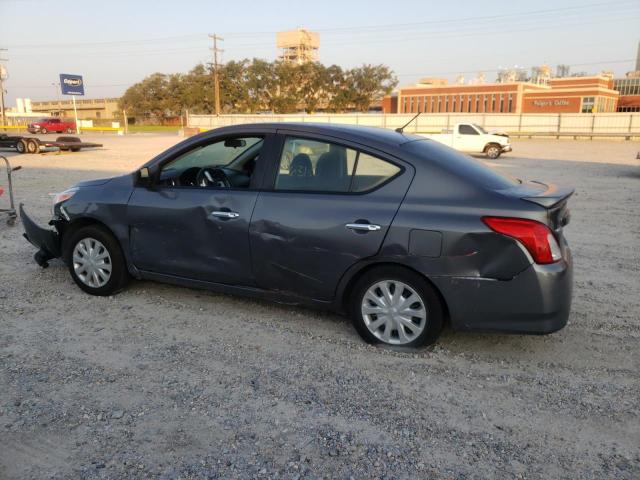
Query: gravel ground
{"x": 166, "y": 382}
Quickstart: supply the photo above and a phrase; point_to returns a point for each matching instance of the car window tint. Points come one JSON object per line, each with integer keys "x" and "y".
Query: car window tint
{"x": 467, "y": 130}
{"x": 310, "y": 165}
{"x": 465, "y": 166}
{"x": 213, "y": 155}
{"x": 237, "y": 156}
{"x": 371, "y": 172}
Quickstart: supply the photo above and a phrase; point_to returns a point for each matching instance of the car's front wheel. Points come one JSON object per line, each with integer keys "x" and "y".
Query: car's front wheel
{"x": 493, "y": 151}
{"x": 95, "y": 260}
{"x": 396, "y": 306}
{"x": 44, "y": 131}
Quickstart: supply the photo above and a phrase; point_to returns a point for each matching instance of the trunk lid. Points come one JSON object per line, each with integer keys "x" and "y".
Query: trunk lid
{"x": 553, "y": 198}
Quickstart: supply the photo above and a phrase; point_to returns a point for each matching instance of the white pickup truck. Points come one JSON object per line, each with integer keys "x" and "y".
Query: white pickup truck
{"x": 472, "y": 138}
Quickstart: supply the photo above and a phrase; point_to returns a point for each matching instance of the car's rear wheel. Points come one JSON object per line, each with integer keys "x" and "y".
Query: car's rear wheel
{"x": 95, "y": 260}
{"x": 493, "y": 151}
{"x": 397, "y": 307}
{"x": 70, "y": 130}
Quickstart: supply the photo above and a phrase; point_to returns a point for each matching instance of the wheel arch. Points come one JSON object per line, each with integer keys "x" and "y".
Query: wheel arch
{"x": 78, "y": 223}
{"x": 489, "y": 144}
{"x": 345, "y": 292}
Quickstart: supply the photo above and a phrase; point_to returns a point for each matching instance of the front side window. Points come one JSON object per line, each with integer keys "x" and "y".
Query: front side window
{"x": 317, "y": 166}
{"x": 467, "y": 130}
{"x": 227, "y": 163}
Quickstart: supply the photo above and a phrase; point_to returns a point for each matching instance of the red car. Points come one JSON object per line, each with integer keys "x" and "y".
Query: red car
{"x": 46, "y": 125}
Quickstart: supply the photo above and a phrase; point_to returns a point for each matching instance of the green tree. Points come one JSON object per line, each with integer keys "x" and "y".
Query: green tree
{"x": 369, "y": 83}
{"x": 250, "y": 86}
{"x": 149, "y": 98}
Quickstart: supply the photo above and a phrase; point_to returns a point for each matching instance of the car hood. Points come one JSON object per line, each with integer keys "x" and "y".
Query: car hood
{"x": 499, "y": 133}
{"x": 93, "y": 183}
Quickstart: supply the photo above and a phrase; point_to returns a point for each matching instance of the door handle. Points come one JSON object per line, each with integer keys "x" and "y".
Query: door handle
{"x": 224, "y": 214}
{"x": 367, "y": 227}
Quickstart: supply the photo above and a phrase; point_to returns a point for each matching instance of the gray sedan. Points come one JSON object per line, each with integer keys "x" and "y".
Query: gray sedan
{"x": 399, "y": 232}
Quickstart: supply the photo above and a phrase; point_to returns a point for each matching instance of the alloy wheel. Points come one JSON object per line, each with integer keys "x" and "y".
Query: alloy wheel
{"x": 394, "y": 312}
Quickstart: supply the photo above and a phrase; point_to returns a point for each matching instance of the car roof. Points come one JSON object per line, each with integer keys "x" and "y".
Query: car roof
{"x": 357, "y": 133}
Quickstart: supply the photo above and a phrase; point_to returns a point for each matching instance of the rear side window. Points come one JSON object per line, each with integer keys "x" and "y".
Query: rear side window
{"x": 317, "y": 166}
{"x": 464, "y": 166}
{"x": 371, "y": 172}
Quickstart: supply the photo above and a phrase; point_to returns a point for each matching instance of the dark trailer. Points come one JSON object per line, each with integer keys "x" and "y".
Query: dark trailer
{"x": 35, "y": 145}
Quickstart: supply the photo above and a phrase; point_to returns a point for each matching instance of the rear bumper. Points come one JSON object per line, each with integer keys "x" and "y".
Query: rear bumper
{"x": 45, "y": 239}
{"x": 536, "y": 301}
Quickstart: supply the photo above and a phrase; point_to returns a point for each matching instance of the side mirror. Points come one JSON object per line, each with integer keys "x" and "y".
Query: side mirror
{"x": 145, "y": 178}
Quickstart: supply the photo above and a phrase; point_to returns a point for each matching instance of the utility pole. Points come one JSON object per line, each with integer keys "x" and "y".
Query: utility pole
{"x": 56, "y": 86}
{"x": 216, "y": 80}
{"x": 3, "y": 76}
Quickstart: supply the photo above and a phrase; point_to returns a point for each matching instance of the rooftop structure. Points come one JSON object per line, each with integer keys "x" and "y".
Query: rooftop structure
{"x": 298, "y": 46}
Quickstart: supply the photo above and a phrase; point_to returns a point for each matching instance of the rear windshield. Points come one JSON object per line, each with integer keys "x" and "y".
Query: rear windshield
{"x": 470, "y": 168}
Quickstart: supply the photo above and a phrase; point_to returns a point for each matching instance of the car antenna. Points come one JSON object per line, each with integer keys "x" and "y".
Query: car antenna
{"x": 401, "y": 129}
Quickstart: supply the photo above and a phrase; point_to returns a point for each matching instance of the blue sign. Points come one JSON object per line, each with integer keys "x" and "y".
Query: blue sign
{"x": 71, "y": 84}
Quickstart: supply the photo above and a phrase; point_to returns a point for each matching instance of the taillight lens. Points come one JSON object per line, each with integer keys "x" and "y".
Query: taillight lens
{"x": 537, "y": 238}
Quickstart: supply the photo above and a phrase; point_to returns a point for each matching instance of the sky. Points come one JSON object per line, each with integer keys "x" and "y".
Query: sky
{"x": 116, "y": 43}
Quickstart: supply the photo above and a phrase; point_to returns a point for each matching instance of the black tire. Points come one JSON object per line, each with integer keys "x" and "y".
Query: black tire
{"x": 75, "y": 149}
{"x": 44, "y": 131}
{"x": 493, "y": 151}
{"x": 21, "y": 146}
{"x": 428, "y": 295}
{"x": 119, "y": 275}
{"x": 33, "y": 146}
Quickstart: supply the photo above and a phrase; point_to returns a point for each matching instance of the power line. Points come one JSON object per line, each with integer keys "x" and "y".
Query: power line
{"x": 603, "y": 62}
{"x": 363, "y": 29}
{"x": 457, "y": 33}
{"x": 426, "y": 74}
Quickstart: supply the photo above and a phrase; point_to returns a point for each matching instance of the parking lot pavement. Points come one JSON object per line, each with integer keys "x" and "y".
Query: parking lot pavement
{"x": 167, "y": 382}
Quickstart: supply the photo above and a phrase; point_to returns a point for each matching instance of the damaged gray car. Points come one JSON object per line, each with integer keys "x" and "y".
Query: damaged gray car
{"x": 397, "y": 231}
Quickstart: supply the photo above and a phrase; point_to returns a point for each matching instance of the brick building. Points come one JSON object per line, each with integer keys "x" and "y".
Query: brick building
{"x": 629, "y": 89}
{"x": 559, "y": 95}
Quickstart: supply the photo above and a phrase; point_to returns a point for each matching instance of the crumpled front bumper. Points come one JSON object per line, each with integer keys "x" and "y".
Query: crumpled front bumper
{"x": 506, "y": 148}
{"x": 46, "y": 240}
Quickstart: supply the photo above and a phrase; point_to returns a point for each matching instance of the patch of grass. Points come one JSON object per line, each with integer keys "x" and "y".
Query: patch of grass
{"x": 153, "y": 128}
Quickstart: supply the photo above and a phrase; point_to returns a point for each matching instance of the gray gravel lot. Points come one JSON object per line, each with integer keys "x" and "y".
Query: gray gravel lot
{"x": 166, "y": 382}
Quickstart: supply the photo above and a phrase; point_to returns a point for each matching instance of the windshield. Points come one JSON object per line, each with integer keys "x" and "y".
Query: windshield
{"x": 480, "y": 129}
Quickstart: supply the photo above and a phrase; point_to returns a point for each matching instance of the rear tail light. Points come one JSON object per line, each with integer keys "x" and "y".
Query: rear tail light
{"x": 536, "y": 237}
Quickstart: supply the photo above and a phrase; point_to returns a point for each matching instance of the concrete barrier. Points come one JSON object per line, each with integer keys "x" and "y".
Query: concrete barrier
{"x": 590, "y": 125}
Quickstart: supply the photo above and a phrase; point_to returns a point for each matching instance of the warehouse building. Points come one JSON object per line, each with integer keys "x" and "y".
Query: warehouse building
{"x": 88, "y": 108}
{"x": 557, "y": 95}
